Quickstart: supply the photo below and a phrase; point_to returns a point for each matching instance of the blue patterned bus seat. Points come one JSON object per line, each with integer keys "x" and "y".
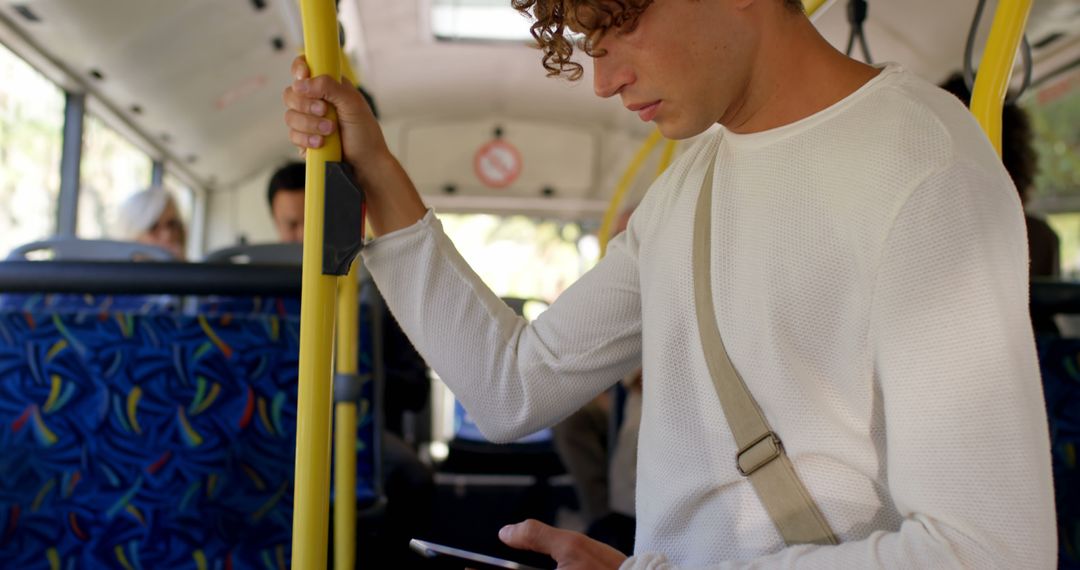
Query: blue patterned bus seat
{"x": 73, "y": 302}
{"x": 1059, "y": 359}
{"x": 150, "y": 441}
{"x": 256, "y": 305}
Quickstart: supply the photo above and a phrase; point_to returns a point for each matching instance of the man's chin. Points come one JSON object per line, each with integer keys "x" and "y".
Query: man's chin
{"x": 677, "y": 131}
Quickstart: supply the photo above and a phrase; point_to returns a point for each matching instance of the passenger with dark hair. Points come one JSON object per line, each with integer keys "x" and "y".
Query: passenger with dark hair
{"x": 407, "y": 384}
{"x": 1020, "y": 160}
{"x": 285, "y": 196}
{"x": 285, "y": 193}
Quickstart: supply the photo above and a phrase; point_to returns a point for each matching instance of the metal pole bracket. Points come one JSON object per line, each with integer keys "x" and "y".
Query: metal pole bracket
{"x": 347, "y": 387}
{"x": 343, "y": 219}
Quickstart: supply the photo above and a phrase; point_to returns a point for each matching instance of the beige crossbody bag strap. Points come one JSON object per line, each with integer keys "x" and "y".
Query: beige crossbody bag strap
{"x": 761, "y": 455}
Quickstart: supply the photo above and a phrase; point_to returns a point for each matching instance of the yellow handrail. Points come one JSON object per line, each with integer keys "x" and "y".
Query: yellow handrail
{"x": 621, "y": 189}
{"x": 666, "y": 157}
{"x": 628, "y": 178}
{"x": 811, "y": 6}
{"x": 345, "y": 416}
{"x": 316, "y": 316}
{"x": 345, "y": 425}
{"x": 992, "y": 82}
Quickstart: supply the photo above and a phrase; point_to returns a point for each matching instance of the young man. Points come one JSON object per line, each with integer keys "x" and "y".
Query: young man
{"x": 869, "y": 282}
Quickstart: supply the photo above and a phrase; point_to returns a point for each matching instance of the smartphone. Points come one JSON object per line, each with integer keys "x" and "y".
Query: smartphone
{"x": 468, "y": 559}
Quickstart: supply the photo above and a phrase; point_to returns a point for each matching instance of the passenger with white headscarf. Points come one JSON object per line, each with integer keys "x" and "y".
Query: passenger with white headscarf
{"x": 151, "y": 217}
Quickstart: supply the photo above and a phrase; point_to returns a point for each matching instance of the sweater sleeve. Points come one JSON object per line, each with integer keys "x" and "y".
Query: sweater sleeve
{"x": 967, "y": 448}
{"x": 513, "y": 377}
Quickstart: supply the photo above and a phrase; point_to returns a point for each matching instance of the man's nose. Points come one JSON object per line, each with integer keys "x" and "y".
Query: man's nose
{"x": 611, "y": 75}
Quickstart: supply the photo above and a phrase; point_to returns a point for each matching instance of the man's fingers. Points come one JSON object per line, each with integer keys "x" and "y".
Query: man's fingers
{"x": 533, "y": 535}
{"x": 569, "y": 549}
{"x": 298, "y": 102}
{"x": 304, "y": 140}
{"x": 300, "y": 69}
{"x": 321, "y": 87}
{"x": 308, "y": 124}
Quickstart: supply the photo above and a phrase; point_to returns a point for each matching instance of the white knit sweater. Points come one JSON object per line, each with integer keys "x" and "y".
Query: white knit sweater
{"x": 870, "y": 283}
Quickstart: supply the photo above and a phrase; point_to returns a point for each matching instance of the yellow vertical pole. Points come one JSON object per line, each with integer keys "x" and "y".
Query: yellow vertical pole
{"x": 312, "y": 495}
{"x": 345, "y": 415}
{"x": 992, "y": 82}
{"x": 345, "y": 425}
{"x": 666, "y": 158}
{"x": 623, "y": 186}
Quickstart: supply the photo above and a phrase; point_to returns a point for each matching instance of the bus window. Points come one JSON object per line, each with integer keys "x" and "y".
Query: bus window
{"x": 112, "y": 169}
{"x": 517, "y": 257}
{"x": 1055, "y": 112}
{"x": 521, "y": 257}
{"x": 31, "y": 127}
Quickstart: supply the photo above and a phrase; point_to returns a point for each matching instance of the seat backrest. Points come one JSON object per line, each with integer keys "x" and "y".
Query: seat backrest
{"x": 281, "y": 306}
{"x": 151, "y": 441}
{"x": 471, "y": 452}
{"x": 261, "y": 253}
{"x": 1059, "y": 361}
{"x": 73, "y": 249}
{"x": 464, "y": 427}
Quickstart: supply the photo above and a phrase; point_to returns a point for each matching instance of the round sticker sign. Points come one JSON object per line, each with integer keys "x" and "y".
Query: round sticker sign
{"x": 497, "y": 164}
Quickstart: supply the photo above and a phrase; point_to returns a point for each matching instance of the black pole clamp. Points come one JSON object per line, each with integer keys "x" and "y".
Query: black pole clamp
{"x": 347, "y": 387}
{"x": 343, "y": 219}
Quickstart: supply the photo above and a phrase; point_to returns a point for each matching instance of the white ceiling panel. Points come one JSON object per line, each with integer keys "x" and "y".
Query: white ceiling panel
{"x": 208, "y": 80}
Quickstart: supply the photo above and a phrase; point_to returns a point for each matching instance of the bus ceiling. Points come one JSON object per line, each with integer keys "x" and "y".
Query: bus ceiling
{"x": 197, "y": 84}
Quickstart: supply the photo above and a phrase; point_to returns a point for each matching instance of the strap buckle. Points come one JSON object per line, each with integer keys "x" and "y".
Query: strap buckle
{"x": 758, "y": 454}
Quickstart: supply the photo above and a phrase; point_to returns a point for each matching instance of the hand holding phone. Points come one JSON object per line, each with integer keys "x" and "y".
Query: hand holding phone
{"x": 469, "y": 559}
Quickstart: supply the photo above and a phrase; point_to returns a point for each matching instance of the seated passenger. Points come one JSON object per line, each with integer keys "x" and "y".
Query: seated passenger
{"x": 285, "y": 194}
{"x": 151, "y": 217}
{"x": 407, "y": 384}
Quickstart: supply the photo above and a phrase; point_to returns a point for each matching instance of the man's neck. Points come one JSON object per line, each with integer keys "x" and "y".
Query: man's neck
{"x": 796, "y": 74}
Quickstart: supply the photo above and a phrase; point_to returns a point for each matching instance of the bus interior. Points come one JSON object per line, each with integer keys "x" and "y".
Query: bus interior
{"x": 194, "y": 352}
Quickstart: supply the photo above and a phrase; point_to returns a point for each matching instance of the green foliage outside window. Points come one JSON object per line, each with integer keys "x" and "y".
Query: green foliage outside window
{"x": 112, "y": 169}
{"x": 1055, "y": 119}
{"x": 31, "y": 133}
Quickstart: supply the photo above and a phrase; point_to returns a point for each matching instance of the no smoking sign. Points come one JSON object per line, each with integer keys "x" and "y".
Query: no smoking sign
{"x": 497, "y": 164}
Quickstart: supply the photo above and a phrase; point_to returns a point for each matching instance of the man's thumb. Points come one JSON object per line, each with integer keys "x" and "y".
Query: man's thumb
{"x": 528, "y": 535}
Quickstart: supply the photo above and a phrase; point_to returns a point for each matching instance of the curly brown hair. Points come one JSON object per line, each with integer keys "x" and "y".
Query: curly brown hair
{"x": 590, "y": 18}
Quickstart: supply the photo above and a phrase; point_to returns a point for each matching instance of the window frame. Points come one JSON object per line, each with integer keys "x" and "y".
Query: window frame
{"x": 74, "y": 85}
